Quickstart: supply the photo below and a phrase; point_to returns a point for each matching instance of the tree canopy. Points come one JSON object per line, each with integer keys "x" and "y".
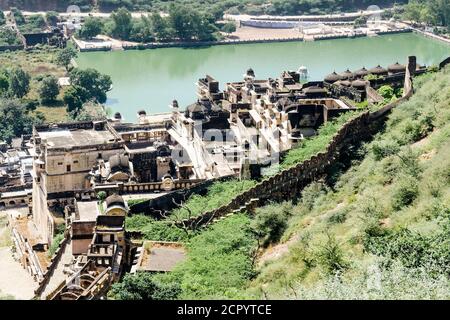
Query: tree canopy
{"x": 19, "y": 82}
{"x": 49, "y": 89}
{"x": 16, "y": 120}
{"x": 91, "y": 28}
{"x": 65, "y": 56}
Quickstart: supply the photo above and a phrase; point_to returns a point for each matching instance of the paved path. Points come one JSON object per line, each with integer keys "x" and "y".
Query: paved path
{"x": 14, "y": 279}
{"x": 310, "y": 17}
{"x": 58, "y": 275}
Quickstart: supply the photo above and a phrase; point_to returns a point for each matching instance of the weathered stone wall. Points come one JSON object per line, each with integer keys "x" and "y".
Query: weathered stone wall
{"x": 53, "y": 263}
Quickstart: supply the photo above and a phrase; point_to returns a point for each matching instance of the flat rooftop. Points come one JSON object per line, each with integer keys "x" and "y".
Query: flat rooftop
{"x": 88, "y": 210}
{"x": 76, "y": 138}
{"x": 161, "y": 257}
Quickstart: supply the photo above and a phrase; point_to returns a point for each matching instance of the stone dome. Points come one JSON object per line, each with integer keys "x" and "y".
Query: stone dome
{"x": 361, "y": 72}
{"x": 115, "y": 199}
{"x": 359, "y": 84}
{"x": 396, "y": 68}
{"x": 378, "y": 70}
{"x": 333, "y": 77}
{"x": 347, "y": 74}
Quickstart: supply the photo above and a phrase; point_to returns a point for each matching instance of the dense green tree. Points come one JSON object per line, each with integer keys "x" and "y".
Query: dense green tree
{"x": 160, "y": 26}
{"x": 181, "y": 21}
{"x": 431, "y": 12}
{"x": 229, "y": 27}
{"x": 95, "y": 84}
{"x": 123, "y": 24}
{"x": 142, "y": 30}
{"x": 49, "y": 89}
{"x": 91, "y": 28}
{"x": 74, "y": 98}
{"x": 65, "y": 56}
{"x": 19, "y": 82}
{"x": 189, "y": 24}
{"x": 144, "y": 286}
{"x": 15, "y": 119}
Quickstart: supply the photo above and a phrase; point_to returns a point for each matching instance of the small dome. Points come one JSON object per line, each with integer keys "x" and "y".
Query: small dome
{"x": 142, "y": 113}
{"x": 333, "y": 77}
{"x": 115, "y": 199}
{"x": 347, "y": 74}
{"x": 346, "y": 83}
{"x": 359, "y": 84}
{"x": 117, "y": 116}
{"x": 396, "y": 67}
{"x": 378, "y": 70}
{"x": 362, "y": 72}
{"x": 175, "y": 103}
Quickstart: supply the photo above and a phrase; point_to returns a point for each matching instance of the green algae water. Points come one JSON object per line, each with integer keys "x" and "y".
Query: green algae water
{"x": 150, "y": 79}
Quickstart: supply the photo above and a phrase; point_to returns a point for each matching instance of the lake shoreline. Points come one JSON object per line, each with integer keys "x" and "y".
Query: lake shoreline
{"x": 202, "y": 44}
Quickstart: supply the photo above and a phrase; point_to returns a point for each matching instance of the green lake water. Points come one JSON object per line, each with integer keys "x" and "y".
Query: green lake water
{"x": 151, "y": 79}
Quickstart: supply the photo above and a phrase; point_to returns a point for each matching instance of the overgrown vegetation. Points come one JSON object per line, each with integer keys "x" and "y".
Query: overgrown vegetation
{"x": 57, "y": 239}
{"x": 219, "y": 193}
{"x": 9, "y": 37}
{"x": 218, "y": 266}
{"x": 318, "y": 143}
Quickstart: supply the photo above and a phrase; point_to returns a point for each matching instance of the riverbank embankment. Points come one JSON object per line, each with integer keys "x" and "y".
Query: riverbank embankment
{"x": 112, "y": 45}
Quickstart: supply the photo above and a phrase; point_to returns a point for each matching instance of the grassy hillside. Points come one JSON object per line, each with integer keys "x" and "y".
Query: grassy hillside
{"x": 382, "y": 231}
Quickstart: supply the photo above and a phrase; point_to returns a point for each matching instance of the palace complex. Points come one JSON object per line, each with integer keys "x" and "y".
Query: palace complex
{"x": 77, "y": 178}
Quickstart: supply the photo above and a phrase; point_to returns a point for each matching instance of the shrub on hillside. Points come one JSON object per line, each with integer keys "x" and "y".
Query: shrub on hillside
{"x": 312, "y": 193}
{"x": 384, "y": 148}
{"x": 144, "y": 286}
{"x": 405, "y": 192}
{"x": 331, "y": 257}
{"x": 270, "y": 222}
{"x": 413, "y": 249}
{"x": 377, "y": 282}
{"x": 338, "y": 217}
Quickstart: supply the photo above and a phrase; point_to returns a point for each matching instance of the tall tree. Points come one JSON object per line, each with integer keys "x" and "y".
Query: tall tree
{"x": 123, "y": 23}
{"x": 49, "y": 89}
{"x": 65, "y": 56}
{"x": 15, "y": 119}
{"x": 95, "y": 84}
{"x": 19, "y": 82}
{"x": 91, "y": 28}
{"x": 160, "y": 26}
